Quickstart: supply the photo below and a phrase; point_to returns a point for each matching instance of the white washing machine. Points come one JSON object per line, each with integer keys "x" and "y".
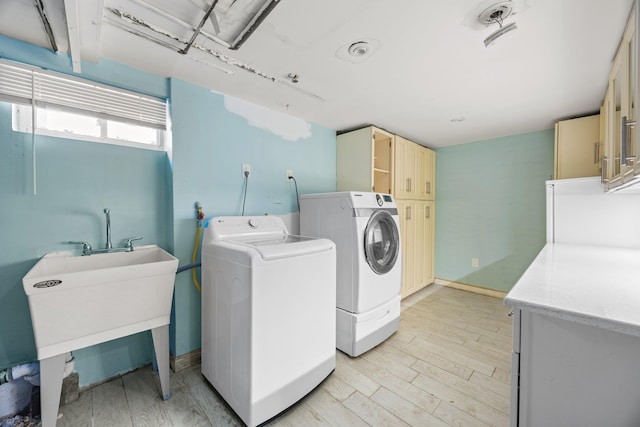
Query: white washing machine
{"x": 268, "y": 314}
{"x": 365, "y": 228}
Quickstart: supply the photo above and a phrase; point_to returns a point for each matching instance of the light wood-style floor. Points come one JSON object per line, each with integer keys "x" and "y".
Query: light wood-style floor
{"x": 448, "y": 365}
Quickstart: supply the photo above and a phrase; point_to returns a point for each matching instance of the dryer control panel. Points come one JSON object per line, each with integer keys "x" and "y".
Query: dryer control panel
{"x": 226, "y": 227}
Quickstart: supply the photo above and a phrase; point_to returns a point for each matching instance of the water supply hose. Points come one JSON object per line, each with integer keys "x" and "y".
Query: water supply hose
{"x": 194, "y": 264}
{"x": 195, "y": 257}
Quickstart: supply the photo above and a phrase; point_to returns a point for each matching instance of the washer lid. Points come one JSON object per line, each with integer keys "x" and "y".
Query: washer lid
{"x": 284, "y": 245}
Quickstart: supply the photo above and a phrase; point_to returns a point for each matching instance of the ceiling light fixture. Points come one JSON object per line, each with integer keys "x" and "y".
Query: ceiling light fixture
{"x": 496, "y": 14}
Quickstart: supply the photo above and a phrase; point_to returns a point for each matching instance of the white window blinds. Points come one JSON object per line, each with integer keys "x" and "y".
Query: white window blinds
{"x": 21, "y": 83}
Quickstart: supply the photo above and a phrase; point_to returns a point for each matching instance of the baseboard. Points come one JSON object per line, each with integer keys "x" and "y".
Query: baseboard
{"x": 178, "y": 363}
{"x": 472, "y": 288}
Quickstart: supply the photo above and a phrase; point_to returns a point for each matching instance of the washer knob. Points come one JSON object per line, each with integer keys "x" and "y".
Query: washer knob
{"x": 253, "y": 223}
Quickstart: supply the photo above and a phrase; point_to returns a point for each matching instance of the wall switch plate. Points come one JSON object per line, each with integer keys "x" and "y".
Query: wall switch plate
{"x": 246, "y": 170}
{"x": 474, "y": 262}
{"x": 289, "y": 173}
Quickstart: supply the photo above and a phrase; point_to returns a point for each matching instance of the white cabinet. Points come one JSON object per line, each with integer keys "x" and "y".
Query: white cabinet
{"x": 567, "y": 373}
{"x": 364, "y": 160}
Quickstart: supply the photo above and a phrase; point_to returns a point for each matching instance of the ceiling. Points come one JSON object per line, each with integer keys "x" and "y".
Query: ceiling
{"x": 429, "y": 67}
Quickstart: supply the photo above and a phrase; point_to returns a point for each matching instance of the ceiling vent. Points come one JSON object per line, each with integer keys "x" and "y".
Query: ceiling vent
{"x": 358, "y": 51}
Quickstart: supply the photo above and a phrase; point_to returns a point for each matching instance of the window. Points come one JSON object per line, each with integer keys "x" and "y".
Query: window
{"x": 70, "y": 107}
{"x": 72, "y": 125}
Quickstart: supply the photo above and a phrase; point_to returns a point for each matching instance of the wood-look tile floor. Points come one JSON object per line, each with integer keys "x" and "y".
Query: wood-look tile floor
{"x": 447, "y": 365}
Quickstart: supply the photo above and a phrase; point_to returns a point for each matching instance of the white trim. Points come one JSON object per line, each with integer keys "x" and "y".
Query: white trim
{"x": 471, "y": 288}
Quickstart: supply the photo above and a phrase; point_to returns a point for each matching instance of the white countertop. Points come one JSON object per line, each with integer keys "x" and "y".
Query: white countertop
{"x": 597, "y": 286}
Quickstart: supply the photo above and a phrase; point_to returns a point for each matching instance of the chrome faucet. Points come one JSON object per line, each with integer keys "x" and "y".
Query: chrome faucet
{"x": 107, "y": 212}
{"x": 108, "y": 248}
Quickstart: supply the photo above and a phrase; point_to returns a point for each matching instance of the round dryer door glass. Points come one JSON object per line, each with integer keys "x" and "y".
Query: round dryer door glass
{"x": 381, "y": 242}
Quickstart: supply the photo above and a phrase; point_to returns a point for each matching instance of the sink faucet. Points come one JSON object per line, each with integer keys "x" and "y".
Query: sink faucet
{"x": 107, "y": 212}
{"x": 108, "y": 248}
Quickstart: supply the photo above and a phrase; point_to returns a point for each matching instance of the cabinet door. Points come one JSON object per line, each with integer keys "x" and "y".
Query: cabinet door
{"x": 424, "y": 244}
{"x": 429, "y": 241}
{"x": 421, "y": 170}
{"x": 622, "y": 114}
{"x": 364, "y": 160}
{"x": 577, "y": 152}
{"x": 430, "y": 174}
{"x": 407, "y": 235}
{"x": 354, "y": 160}
{"x": 417, "y": 234}
{"x": 404, "y": 168}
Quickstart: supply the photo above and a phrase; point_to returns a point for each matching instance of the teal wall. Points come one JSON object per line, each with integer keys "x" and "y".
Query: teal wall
{"x": 490, "y": 205}
{"x": 210, "y": 144}
{"x": 77, "y": 179}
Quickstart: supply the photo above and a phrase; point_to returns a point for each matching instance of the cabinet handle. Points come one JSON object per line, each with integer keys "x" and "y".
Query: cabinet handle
{"x": 428, "y": 187}
{"x": 407, "y": 214}
{"x": 625, "y": 138}
{"x": 408, "y": 186}
{"x": 595, "y": 153}
{"x": 605, "y": 163}
{"x": 427, "y": 212}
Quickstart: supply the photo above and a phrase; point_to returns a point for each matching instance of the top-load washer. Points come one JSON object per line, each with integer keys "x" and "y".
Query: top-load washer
{"x": 268, "y": 314}
{"x": 365, "y": 228}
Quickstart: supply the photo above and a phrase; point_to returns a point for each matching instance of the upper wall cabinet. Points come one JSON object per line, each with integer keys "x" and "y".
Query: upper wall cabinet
{"x": 577, "y": 148}
{"x": 620, "y": 167}
{"x": 414, "y": 171}
{"x": 364, "y": 160}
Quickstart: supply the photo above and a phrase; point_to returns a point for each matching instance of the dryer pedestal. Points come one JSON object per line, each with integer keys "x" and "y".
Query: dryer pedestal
{"x": 357, "y": 333}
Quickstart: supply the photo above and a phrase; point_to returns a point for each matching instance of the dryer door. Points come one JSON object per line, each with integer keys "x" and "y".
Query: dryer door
{"x": 381, "y": 242}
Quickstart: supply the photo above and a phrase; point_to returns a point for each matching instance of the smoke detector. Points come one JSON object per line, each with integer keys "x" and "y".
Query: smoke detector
{"x": 496, "y": 14}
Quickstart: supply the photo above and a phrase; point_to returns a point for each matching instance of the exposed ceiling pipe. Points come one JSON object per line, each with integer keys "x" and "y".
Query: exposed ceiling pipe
{"x": 198, "y": 28}
{"x": 73, "y": 29}
{"x": 47, "y": 26}
{"x": 163, "y": 38}
{"x": 164, "y": 13}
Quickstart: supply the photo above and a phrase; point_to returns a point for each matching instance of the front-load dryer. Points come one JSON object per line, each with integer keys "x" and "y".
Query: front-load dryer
{"x": 268, "y": 314}
{"x": 365, "y": 228}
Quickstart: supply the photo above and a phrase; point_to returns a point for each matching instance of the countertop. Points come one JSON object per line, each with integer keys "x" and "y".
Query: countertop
{"x": 593, "y": 285}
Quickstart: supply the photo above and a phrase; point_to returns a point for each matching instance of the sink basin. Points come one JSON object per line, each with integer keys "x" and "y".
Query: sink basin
{"x": 78, "y": 301}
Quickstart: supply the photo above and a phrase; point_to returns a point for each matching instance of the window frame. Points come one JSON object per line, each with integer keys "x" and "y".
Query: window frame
{"x": 21, "y": 118}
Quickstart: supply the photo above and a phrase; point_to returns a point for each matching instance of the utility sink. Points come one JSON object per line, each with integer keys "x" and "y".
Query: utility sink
{"x": 79, "y": 301}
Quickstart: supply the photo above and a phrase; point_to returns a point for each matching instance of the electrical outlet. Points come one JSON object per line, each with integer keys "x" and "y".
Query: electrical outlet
{"x": 289, "y": 173}
{"x": 246, "y": 170}
{"x": 474, "y": 262}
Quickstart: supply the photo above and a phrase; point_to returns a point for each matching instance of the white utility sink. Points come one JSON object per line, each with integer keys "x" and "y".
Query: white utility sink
{"x": 79, "y": 301}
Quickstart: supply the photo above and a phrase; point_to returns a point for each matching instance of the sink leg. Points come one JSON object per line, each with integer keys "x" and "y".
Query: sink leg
{"x": 51, "y": 373}
{"x": 161, "y": 345}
